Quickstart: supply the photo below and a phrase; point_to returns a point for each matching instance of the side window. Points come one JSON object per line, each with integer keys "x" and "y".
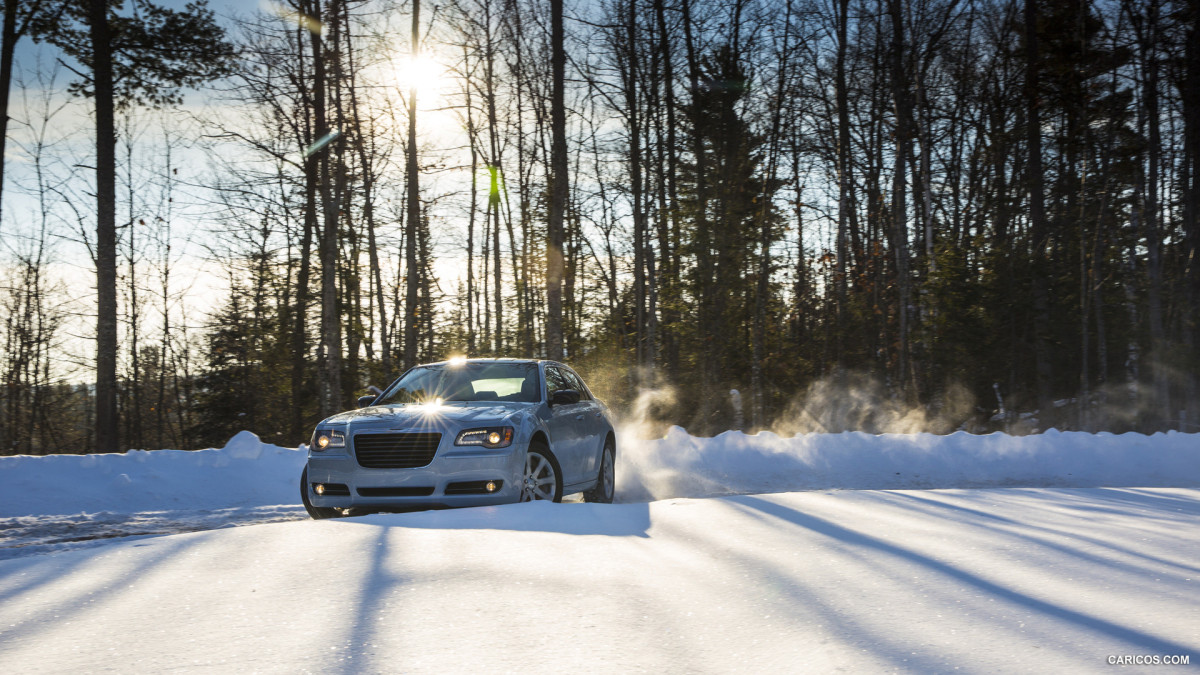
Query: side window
{"x": 554, "y": 381}
{"x": 577, "y": 385}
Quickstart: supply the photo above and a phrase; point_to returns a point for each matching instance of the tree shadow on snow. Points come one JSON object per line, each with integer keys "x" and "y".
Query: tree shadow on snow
{"x": 30, "y": 576}
{"x": 382, "y": 585}
{"x": 1066, "y": 540}
{"x": 614, "y": 520}
{"x": 1114, "y": 631}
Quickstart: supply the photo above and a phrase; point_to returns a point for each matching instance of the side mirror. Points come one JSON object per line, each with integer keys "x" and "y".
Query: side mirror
{"x": 364, "y": 401}
{"x": 564, "y": 397}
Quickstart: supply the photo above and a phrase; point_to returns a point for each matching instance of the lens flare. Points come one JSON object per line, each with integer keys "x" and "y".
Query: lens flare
{"x": 288, "y": 14}
{"x": 321, "y": 142}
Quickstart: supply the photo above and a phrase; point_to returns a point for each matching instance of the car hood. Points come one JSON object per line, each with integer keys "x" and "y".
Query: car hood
{"x": 411, "y": 416}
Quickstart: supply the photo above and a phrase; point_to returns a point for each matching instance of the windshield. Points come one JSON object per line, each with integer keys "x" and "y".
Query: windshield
{"x": 467, "y": 382}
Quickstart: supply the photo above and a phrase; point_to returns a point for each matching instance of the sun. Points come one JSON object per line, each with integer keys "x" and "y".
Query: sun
{"x": 422, "y": 73}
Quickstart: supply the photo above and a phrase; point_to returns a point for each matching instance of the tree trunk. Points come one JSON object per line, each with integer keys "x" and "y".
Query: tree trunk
{"x": 299, "y": 337}
{"x": 133, "y": 378}
{"x": 473, "y": 141}
{"x": 669, "y": 254}
{"x": 368, "y": 211}
{"x": 559, "y": 182}
{"x": 1150, "y": 215}
{"x": 491, "y": 221}
{"x": 9, "y": 35}
{"x": 331, "y": 381}
{"x": 1191, "y": 207}
{"x": 633, "y": 120}
{"x": 845, "y": 180}
{"x": 412, "y": 278}
{"x": 106, "y": 231}
{"x": 1037, "y": 210}
{"x": 703, "y": 234}
{"x": 903, "y": 102}
{"x": 497, "y": 277}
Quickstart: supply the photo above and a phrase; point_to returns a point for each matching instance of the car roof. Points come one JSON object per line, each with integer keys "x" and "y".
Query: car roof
{"x": 498, "y": 359}
{"x": 490, "y": 359}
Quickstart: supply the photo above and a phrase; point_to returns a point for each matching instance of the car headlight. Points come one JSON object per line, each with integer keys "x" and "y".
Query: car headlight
{"x": 327, "y": 438}
{"x": 491, "y": 437}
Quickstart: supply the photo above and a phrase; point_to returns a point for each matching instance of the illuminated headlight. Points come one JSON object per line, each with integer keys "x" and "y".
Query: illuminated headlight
{"x": 493, "y": 437}
{"x": 324, "y": 439}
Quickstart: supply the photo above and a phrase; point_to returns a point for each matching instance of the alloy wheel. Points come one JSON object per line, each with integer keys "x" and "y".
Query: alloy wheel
{"x": 607, "y": 476}
{"x": 540, "y": 482}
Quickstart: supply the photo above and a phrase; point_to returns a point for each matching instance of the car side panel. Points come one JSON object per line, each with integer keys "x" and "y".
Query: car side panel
{"x": 595, "y": 424}
{"x": 567, "y": 432}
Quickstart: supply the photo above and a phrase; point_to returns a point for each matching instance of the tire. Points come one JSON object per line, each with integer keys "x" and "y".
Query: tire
{"x": 317, "y": 512}
{"x": 543, "y": 479}
{"x": 606, "y": 477}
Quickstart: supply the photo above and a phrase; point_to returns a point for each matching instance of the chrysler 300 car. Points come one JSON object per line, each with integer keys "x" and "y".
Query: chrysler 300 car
{"x": 463, "y": 432}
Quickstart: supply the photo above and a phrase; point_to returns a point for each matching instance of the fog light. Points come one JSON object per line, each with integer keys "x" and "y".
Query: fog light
{"x": 319, "y": 489}
{"x": 491, "y": 486}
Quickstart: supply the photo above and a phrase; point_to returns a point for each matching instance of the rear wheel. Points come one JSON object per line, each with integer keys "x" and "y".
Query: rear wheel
{"x": 606, "y": 482}
{"x": 542, "y": 480}
{"x": 317, "y": 512}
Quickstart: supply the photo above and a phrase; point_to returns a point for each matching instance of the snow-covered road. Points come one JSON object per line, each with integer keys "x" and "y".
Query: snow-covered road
{"x": 985, "y": 580}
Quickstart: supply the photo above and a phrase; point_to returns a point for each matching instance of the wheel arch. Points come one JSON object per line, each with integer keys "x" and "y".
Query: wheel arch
{"x": 539, "y": 436}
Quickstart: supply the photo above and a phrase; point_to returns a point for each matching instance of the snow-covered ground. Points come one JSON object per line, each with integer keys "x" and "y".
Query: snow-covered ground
{"x": 65, "y": 502}
{"x": 1071, "y": 549}
{"x": 1008, "y": 580}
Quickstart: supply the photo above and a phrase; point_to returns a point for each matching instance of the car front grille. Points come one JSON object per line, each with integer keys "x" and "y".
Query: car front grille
{"x": 395, "y": 491}
{"x": 395, "y": 451}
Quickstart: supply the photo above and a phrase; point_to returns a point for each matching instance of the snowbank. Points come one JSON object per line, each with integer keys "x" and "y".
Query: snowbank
{"x": 681, "y": 465}
{"x": 250, "y": 473}
{"x": 246, "y": 472}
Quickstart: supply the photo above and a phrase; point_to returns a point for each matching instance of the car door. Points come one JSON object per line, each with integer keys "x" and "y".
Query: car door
{"x": 566, "y": 427}
{"x": 592, "y": 426}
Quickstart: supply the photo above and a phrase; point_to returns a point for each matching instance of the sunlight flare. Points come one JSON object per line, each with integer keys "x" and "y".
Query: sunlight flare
{"x": 421, "y": 73}
{"x": 288, "y": 14}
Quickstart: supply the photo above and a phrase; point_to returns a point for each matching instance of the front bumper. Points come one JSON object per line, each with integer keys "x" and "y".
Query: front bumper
{"x": 426, "y": 486}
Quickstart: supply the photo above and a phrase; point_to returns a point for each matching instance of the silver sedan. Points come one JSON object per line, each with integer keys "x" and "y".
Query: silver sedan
{"x": 464, "y": 432}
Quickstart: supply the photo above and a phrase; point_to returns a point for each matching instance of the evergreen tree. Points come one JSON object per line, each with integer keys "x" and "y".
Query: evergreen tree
{"x": 724, "y": 250}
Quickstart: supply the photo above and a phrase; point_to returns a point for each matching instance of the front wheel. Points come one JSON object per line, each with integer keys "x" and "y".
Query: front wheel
{"x": 606, "y": 482}
{"x": 317, "y": 512}
{"x": 542, "y": 480}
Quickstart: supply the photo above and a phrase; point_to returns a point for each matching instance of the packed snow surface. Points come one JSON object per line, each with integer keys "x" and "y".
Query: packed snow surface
{"x": 1080, "y": 550}
{"x": 996, "y": 580}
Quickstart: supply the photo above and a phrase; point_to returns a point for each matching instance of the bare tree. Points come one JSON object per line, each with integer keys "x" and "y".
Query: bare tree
{"x": 559, "y": 184}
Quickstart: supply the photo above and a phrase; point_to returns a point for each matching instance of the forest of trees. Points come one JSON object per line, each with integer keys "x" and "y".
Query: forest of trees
{"x": 975, "y": 214}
